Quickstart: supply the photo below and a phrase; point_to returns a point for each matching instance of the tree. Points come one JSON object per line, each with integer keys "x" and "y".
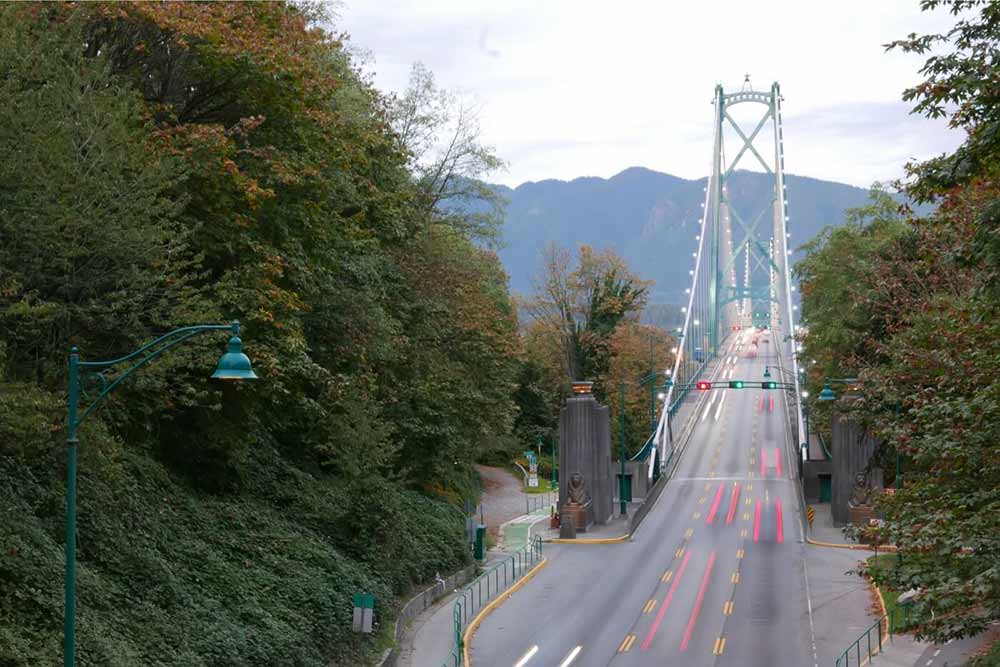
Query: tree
{"x": 580, "y": 307}
{"x": 911, "y": 307}
{"x": 440, "y": 130}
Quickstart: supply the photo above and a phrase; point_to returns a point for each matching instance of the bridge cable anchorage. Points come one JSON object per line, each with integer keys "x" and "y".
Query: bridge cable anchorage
{"x": 728, "y": 297}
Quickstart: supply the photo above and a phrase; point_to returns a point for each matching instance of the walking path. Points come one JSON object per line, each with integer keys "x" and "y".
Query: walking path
{"x": 429, "y": 638}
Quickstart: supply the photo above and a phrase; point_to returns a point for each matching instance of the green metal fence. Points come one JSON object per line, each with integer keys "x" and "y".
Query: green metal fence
{"x": 869, "y": 644}
{"x": 485, "y": 587}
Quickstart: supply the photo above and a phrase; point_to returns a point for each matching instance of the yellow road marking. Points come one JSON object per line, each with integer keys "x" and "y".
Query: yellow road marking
{"x": 735, "y": 578}
{"x": 666, "y": 576}
{"x": 708, "y": 486}
{"x": 727, "y": 608}
{"x": 711, "y": 473}
{"x": 720, "y": 646}
{"x": 753, "y": 450}
{"x": 751, "y": 473}
{"x": 689, "y": 532}
{"x": 749, "y": 487}
{"x": 747, "y": 501}
{"x": 743, "y": 532}
{"x": 679, "y": 552}
{"x": 649, "y": 606}
{"x": 753, "y": 461}
{"x": 696, "y": 515}
{"x": 701, "y": 501}
{"x": 740, "y": 553}
{"x": 746, "y": 516}
{"x": 626, "y": 643}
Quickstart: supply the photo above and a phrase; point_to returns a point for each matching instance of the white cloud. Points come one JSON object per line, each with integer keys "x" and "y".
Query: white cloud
{"x": 574, "y": 89}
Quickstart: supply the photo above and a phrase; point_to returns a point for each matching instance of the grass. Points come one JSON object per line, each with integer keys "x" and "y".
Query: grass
{"x": 893, "y": 609}
{"x": 544, "y": 486}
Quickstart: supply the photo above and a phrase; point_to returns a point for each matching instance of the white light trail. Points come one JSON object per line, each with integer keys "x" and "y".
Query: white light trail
{"x": 571, "y": 657}
{"x": 718, "y": 410}
{"x": 527, "y": 656}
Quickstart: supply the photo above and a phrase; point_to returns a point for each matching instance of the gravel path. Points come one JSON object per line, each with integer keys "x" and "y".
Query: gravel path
{"x": 502, "y": 497}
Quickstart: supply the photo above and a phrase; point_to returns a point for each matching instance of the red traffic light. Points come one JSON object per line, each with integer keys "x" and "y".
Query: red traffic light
{"x": 704, "y": 386}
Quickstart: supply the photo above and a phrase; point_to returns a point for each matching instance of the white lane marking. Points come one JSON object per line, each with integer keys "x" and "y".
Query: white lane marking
{"x": 571, "y": 657}
{"x": 719, "y": 409}
{"x": 937, "y": 653}
{"x": 527, "y": 656}
{"x": 809, "y": 604}
{"x": 708, "y": 408}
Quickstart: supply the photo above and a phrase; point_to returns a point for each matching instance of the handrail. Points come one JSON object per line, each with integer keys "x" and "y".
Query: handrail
{"x": 471, "y": 599}
{"x": 854, "y": 649}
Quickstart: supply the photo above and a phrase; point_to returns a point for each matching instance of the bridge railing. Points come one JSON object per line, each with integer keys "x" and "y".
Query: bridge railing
{"x": 484, "y": 588}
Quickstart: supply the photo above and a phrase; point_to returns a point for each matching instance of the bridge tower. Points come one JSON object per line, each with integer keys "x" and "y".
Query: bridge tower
{"x": 720, "y": 300}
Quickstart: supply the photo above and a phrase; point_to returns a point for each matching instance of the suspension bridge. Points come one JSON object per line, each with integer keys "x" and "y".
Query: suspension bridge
{"x": 715, "y": 574}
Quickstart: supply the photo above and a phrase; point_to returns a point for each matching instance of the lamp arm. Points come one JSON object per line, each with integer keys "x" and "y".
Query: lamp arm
{"x": 178, "y": 335}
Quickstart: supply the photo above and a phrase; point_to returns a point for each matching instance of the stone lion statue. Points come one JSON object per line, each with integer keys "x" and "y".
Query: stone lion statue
{"x": 577, "y": 490}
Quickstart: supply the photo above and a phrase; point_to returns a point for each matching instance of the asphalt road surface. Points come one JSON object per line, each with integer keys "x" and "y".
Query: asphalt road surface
{"x": 715, "y": 575}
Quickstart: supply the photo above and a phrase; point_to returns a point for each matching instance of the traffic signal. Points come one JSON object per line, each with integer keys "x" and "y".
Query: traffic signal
{"x": 736, "y": 384}
{"x": 704, "y": 386}
{"x": 769, "y": 385}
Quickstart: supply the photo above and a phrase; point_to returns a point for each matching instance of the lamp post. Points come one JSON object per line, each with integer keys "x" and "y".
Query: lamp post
{"x": 621, "y": 422}
{"x": 234, "y": 365}
{"x": 552, "y": 484}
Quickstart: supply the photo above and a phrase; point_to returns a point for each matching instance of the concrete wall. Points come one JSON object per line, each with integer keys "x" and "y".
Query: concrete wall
{"x": 851, "y": 449}
{"x": 585, "y": 447}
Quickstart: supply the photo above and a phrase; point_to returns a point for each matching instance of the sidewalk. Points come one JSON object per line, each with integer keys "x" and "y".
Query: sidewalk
{"x": 428, "y": 640}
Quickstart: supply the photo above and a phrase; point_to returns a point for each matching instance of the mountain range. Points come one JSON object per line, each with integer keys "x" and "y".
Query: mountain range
{"x": 650, "y": 219}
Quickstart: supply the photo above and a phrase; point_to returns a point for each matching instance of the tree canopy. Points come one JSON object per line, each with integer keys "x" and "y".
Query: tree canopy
{"x": 909, "y": 305}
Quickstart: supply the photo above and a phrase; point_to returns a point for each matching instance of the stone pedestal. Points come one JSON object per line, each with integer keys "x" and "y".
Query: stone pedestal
{"x": 585, "y": 448}
{"x": 859, "y": 515}
{"x": 579, "y": 514}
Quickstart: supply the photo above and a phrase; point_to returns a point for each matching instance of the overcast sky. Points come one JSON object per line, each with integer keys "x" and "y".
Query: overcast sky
{"x": 571, "y": 88}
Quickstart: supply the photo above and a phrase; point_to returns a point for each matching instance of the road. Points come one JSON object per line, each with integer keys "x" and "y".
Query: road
{"x": 715, "y": 575}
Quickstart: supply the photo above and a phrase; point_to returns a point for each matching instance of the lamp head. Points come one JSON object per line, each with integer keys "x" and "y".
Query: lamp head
{"x": 767, "y": 373}
{"x": 234, "y": 365}
{"x": 827, "y": 394}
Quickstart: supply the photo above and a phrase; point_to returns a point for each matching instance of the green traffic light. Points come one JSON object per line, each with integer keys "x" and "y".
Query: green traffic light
{"x": 769, "y": 385}
{"x": 736, "y": 384}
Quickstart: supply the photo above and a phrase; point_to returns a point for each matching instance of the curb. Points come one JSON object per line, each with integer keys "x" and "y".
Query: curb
{"x": 885, "y": 614}
{"x": 485, "y": 611}
{"x": 888, "y": 548}
{"x": 589, "y": 540}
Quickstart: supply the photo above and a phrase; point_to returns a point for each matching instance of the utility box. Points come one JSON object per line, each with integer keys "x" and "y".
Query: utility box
{"x": 479, "y": 551}
{"x": 364, "y": 612}
{"x": 625, "y": 488}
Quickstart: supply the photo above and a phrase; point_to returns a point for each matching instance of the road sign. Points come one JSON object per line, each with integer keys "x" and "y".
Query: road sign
{"x": 533, "y": 480}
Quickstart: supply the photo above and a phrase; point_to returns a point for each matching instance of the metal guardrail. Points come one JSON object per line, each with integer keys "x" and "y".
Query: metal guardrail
{"x": 536, "y": 501}
{"x": 483, "y": 588}
{"x": 865, "y": 647}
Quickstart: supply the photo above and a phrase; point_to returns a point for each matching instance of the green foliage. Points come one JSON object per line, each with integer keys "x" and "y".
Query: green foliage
{"x": 910, "y": 307}
{"x": 177, "y": 163}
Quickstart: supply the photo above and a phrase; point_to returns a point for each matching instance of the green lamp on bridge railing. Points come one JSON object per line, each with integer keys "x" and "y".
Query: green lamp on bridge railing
{"x": 233, "y": 365}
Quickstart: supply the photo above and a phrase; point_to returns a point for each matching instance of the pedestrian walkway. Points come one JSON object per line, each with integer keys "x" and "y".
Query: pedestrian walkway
{"x": 514, "y": 534}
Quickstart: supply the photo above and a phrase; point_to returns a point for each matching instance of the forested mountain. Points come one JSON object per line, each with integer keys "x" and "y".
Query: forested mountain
{"x": 650, "y": 219}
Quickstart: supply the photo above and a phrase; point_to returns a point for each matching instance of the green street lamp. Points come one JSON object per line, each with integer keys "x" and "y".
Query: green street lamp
{"x": 234, "y": 365}
{"x": 621, "y": 481}
{"x": 827, "y": 393}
